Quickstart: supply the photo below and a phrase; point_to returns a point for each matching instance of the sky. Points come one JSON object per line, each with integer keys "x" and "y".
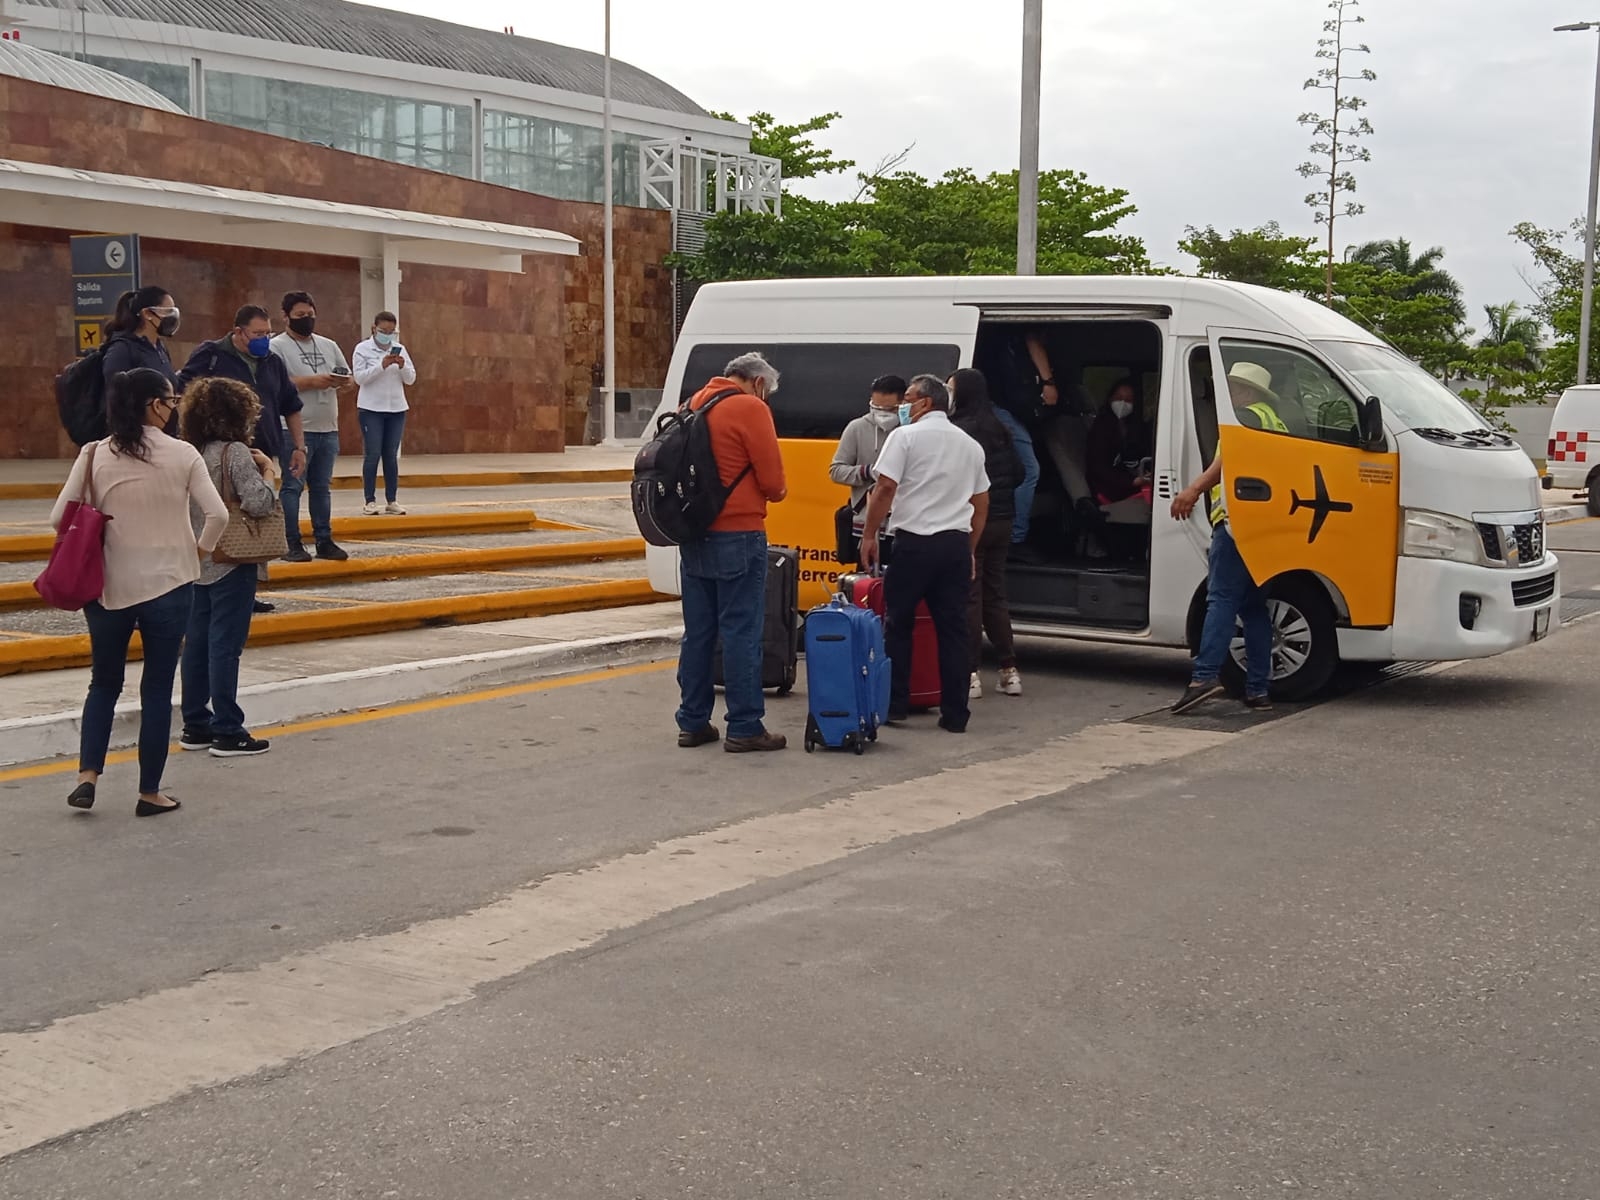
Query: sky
{"x": 1482, "y": 114}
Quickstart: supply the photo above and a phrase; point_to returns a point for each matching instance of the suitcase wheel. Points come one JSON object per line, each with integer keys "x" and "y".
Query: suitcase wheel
{"x": 859, "y": 743}
{"x": 810, "y": 745}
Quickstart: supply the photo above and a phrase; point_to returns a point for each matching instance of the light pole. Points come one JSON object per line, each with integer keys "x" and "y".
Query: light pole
{"x": 1594, "y": 196}
{"x": 1028, "y": 164}
{"x": 609, "y": 271}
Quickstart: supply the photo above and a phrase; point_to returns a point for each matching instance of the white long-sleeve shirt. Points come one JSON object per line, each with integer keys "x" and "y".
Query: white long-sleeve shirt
{"x": 150, "y": 545}
{"x": 383, "y": 389}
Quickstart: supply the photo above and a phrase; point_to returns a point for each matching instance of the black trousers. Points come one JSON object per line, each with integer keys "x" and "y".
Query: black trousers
{"x": 936, "y": 568}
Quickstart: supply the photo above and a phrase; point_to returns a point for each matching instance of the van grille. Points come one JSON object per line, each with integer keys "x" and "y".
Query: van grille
{"x": 1532, "y": 591}
{"x": 1528, "y": 539}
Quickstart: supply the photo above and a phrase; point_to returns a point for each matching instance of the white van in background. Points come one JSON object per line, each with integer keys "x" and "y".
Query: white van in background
{"x": 1573, "y": 456}
{"x": 1388, "y": 524}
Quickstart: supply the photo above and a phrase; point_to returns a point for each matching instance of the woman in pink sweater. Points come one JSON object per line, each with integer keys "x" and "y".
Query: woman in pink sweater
{"x": 143, "y": 480}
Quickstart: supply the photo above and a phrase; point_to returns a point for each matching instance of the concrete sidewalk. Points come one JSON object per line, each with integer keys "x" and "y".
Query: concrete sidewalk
{"x": 281, "y": 684}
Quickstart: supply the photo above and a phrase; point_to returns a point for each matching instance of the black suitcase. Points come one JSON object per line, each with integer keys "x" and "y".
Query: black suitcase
{"x": 780, "y": 629}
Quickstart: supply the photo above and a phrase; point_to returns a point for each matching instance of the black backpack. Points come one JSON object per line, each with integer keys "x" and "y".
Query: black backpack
{"x": 677, "y": 488}
{"x": 81, "y": 397}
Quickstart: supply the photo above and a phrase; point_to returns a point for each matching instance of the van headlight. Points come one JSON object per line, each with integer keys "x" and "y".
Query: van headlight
{"x": 1434, "y": 535}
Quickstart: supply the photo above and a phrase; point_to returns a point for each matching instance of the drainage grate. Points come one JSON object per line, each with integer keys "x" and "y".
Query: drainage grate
{"x": 1575, "y": 605}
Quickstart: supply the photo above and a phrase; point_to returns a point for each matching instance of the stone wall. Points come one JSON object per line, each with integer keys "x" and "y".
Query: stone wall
{"x": 504, "y": 360}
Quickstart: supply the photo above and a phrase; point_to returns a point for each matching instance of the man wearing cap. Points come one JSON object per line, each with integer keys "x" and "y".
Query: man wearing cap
{"x": 1231, "y": 594}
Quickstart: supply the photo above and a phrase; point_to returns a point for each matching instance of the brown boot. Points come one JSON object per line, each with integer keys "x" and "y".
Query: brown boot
{"x": 761, "y": 741}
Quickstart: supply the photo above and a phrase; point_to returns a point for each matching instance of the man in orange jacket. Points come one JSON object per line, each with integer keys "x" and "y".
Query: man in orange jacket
{"x": 724, "y": 575}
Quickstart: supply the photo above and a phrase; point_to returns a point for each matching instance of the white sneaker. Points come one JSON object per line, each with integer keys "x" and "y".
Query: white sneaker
{"x": 1010, "y": 681}
{"x": 975, "y": 692}
{"x": 393, "y": 509}
{"x": 370, "y": 508}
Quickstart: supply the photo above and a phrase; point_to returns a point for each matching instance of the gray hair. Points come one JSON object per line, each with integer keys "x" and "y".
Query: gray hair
{"x": 751, "y": 367}
{"x": 933, "y": 388}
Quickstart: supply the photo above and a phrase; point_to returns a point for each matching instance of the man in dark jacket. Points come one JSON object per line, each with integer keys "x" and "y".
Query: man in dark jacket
{"x": 246, "y": 354}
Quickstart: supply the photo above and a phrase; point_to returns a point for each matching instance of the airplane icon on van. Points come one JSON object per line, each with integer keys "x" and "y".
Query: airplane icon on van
{"x": 1321, "y": 505}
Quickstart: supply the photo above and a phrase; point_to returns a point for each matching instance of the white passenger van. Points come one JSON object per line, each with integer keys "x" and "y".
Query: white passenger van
{"x": 1572, "y": 460}
{"x": 1388, "y": 524}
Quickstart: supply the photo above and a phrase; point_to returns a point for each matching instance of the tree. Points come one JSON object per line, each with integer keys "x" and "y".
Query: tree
{"x": 1559, "y": 290}
{"x": 1426, "y": 276}
{"x": 1264, "y": 255}
{"x": 792, "y": 145}
{"x": 1515, "y": 332}
{"x": 1339, "y": 130}
{"x": 1420, "y": 324}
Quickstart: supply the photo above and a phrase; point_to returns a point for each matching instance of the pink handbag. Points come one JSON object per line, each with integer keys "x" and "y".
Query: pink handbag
{"x": 76, "y": 572}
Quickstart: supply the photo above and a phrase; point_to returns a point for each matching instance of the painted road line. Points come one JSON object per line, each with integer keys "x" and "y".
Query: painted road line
{"x": 367, "y": 716}
{"x": 56, "y": 653}
{"x": 135, "y": 1054}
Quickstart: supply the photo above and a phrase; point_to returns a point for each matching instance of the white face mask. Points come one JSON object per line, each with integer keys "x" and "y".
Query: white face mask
{"x": 1122, "y": 409}
{"x": 884, "y": 418}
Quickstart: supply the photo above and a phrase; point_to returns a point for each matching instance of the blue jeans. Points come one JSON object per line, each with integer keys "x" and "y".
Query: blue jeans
{"x": 1231, "y": 595}
{"x": 219, "y": 623}
{"x": 724, "y": 581}
{"x": 380, "y": 440}
{"x": 322, "y": 449}
{"x": 1023, "y": 441}
{"x": 160, "y": 623}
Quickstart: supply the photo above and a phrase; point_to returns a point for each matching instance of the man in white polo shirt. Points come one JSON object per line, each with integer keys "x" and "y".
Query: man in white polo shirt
{"x": 931, "y": 477}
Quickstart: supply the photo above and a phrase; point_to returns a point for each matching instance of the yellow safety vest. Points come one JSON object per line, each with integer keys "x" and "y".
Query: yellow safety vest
{"x": 1272, "y": 424}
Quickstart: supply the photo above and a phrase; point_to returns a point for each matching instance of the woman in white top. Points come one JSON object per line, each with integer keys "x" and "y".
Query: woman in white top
{"x": 143, "y": 480}
{"x": 383, "y": 369}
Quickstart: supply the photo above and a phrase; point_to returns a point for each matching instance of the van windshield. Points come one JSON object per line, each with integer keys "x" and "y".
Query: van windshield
{"x": 1412, "y": 396}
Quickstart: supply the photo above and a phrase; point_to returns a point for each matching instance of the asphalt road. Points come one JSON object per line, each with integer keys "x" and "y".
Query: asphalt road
{"x": 521, "y": 946}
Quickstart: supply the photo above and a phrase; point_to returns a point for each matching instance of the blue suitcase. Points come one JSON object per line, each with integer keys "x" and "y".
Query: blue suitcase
{"x": 847, "y": 677}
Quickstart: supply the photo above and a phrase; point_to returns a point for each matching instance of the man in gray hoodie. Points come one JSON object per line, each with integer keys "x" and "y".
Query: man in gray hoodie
{"x": 861, "y": 442}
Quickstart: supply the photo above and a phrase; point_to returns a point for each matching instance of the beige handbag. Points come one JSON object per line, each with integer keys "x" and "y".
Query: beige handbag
{"x": 249, "y": 539}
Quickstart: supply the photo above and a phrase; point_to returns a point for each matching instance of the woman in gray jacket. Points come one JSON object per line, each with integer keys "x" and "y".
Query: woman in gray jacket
{"x": 218, "y": 418}
{"x": 863, "y": 440}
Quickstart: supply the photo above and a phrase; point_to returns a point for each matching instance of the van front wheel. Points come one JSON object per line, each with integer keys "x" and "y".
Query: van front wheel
{"x": 1305, "y": 642}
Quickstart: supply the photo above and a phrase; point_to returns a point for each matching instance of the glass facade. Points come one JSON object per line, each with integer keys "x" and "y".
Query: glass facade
{"x": 417, "y": 133}
{"x": 170, "y": 81}
{"x": 554, "y": 158}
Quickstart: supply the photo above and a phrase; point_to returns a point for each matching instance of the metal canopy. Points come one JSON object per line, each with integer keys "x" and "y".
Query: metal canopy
{"x": 63, "y": 198}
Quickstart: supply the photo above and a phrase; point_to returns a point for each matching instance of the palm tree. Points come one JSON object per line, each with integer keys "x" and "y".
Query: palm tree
{"x": 1429, "y": 278}
{"x": 1507, "y": 324}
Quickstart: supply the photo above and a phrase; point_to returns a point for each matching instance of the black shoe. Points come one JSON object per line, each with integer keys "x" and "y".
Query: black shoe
{"x": 688, "y": 740}
{"x": 950, "y": 727}
{"x": 242, "y": 746}
{"x": 1259, "y": 703}
{"x": 897, "y": 716}
{"x": 296, "y": 553}
{"x": 261, "y": 606}
{"x": 82, "y": 796}
{"x": 761, "y": 741}
{"x": 145, "y": 809}
{"x": 1025, "y": 554}
{"x": 1197, "y": 693}
{"x": 331, "y": 551}
{"x": 195, "y": 739}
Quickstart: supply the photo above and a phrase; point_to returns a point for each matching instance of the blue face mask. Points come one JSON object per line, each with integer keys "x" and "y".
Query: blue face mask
{"x": 904, "y": 413}
{"x": 382, "y": 338}
{"x": 260, "y": 347}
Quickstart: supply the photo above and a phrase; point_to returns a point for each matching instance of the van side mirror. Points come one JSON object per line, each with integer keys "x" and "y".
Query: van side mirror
{"x": 1371, "y": 418}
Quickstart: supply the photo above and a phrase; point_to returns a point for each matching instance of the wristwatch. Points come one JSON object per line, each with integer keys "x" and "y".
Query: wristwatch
{"x": 300, "y": 450}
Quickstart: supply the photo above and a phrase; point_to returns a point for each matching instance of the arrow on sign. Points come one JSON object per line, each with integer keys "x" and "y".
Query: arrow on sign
{"x": 116, "y": 255}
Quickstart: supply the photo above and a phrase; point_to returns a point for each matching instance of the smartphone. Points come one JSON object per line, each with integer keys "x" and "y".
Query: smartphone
{"x": 340, "y": 371}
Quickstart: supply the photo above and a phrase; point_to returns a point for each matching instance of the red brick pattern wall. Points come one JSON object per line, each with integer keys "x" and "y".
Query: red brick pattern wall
{"x": 503, "y": 361}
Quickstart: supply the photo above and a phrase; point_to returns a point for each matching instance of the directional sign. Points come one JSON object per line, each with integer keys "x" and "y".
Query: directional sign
{"x": 88, "y": 336}
{"x": 103, "y": 267}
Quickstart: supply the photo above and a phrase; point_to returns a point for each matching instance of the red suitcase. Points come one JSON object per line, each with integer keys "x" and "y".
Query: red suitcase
{"x": 867, "y": 591}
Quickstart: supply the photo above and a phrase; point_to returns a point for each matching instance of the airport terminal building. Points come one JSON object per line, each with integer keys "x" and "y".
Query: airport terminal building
{"x": 377, "y": 159}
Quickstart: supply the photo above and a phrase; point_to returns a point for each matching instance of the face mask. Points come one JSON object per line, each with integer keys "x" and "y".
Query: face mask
{"x": 885, "y": 418}
{"x": 302, "y": 325}
{"x": 903, "y": 414}
{"x": 1122, "y": 409}
{"x": 260, "y": 347}
{"x": 168, "y": 326}
{"x": 383, "y": 339}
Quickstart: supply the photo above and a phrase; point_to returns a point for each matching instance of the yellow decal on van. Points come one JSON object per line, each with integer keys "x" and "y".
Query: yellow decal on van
{"x": 1297, "y": 504}
{"x": 805, "y": 519}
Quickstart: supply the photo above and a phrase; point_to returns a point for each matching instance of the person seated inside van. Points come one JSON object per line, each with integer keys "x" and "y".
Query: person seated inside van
{"x": 1119, "y": 458}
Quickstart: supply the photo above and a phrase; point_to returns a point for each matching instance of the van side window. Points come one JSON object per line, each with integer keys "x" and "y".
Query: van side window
{"x": 1306, "y": 397}
{"x": 1204, "y": 393}
{"x": 822, "y": 386}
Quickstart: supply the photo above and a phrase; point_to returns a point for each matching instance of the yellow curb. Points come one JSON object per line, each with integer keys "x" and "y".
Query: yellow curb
{"x": 438, "y": 479}
{"x": 57, "y": 653}
{"x": 21, "y": 595}
{"x": 34, "y": 546}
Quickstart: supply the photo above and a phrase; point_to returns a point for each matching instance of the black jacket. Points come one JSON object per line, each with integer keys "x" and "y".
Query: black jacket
{"x": 1000, "y": 459}
{"x": 270, "y": 381}
{"x": 125, "y": 351}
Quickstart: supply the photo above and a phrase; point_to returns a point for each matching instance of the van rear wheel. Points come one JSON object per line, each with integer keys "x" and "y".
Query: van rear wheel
{"x": 1305, "y": 642}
